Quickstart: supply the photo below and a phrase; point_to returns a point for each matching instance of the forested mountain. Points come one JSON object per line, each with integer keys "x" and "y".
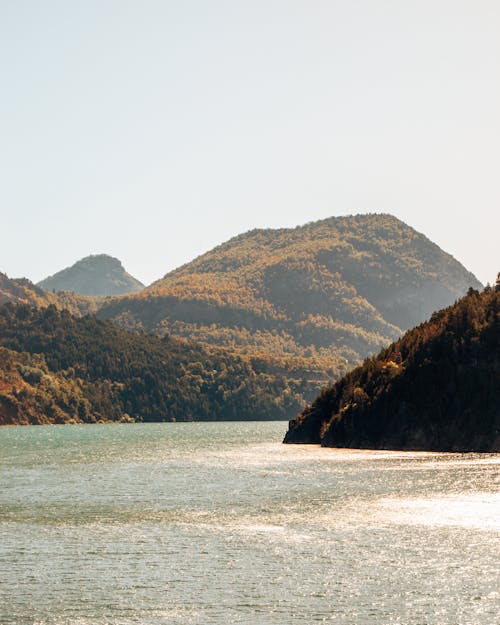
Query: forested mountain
{"x": 22, "y": 291}
{"x": 339, "y": 289}
{"x": 437, "y": 388}
{"x": 288, "y": 311}
{"x": 55, "y": 368}
{"x": 97, "y": 275}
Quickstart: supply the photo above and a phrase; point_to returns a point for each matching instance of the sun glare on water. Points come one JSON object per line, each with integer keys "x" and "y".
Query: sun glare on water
{"x": 477, "y": 510}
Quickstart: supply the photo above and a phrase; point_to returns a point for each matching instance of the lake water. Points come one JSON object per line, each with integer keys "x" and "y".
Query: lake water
{"x": 219, "y": 523}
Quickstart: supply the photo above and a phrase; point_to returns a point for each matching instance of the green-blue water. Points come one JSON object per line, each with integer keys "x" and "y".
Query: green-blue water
{"x": 219, "y": 523}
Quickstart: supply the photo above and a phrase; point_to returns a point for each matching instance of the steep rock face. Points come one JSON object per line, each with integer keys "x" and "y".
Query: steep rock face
{"x": 99, "y": 275}
{"x": 436, "y": 389}
{"x": 340, "y": 288}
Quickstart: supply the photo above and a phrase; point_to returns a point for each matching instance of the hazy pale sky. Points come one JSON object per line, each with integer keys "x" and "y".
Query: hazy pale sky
{"x": 154, "y": 130}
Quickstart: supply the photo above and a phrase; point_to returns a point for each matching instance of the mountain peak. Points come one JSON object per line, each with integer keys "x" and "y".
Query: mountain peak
{"x": 97, "y": 274}
{"x": 99, "y": 259}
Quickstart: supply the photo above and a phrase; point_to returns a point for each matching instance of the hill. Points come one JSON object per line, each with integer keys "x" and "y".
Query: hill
{"x": 57, "y": 368}
{"x": 339, "y": 289}
{"x": 99, "y": 275}
{"x": 436, "y": 389}
{"x": 22, "y": 291}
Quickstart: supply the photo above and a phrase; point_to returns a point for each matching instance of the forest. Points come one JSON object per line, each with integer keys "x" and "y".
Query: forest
{"x": 437, "y": 388}
{"x": 255, "y": 328}
{"x": 57, "y": 368}
{"x": 339, "y": 289}
{"x": 23, "y": 291}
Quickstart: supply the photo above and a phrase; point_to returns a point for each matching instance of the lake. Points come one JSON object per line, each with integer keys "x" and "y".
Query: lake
{"x": 219, "y": 523}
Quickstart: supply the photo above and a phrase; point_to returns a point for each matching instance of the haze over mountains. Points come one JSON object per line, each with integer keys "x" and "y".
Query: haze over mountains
{"x": 96, "y": 275}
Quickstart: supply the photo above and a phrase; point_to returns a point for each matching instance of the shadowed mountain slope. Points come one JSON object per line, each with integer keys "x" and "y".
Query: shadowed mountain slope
{"x": 436, "y": 389}
{"x": 99, "y": 275}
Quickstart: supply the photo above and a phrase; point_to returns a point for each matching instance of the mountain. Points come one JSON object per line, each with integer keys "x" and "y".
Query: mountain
{"x": 22, "y": 291}
{"x": 337, "y": 290}
{"x": 98, "y": 275}
{"x": 436, "y": 389}
{"x": 56, "y": 368}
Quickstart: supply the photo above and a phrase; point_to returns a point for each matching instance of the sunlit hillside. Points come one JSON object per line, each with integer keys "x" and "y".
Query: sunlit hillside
{"x": 340, "y": 288}
{"x": 23, "y": 291}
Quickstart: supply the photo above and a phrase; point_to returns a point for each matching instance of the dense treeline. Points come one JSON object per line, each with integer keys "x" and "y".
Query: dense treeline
{"x": 437, "y": 388}
{"x": 341, "y": 288}
{"x": 60, "y": 368}
{"x": 30, "y": 393}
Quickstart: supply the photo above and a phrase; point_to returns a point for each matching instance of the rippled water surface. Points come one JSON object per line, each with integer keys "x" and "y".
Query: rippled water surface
{"x": 219, "y": 523}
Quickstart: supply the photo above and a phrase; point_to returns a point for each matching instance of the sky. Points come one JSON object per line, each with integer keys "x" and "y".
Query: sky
{"x": 153, "y": 130}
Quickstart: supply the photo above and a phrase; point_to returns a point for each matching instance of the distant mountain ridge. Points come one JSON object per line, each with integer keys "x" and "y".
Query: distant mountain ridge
{"x": 96, "y": 275}
{"x": 23, "y": 291}
{"x": 436, "y": 389}
{"x": 339, "y": 288}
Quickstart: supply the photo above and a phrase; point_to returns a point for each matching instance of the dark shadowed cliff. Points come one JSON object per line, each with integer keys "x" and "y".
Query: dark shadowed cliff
{"x": 437, "y": 388}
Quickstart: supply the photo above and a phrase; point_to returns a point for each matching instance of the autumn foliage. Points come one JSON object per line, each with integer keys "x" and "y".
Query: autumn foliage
{"x": 332, "y": 292}
{"x": 55, "y": 368}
